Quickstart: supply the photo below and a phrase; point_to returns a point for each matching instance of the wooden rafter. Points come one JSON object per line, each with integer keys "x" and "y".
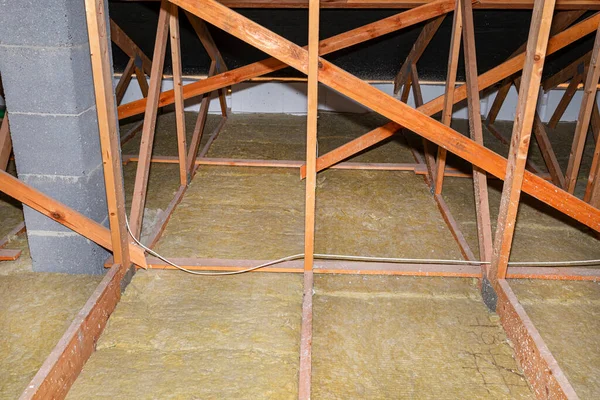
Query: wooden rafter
{"x": 535, "y": 359}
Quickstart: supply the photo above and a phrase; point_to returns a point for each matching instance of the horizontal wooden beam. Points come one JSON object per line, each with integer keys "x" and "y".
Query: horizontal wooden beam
{"x": 485, "y": 4}
{"x": 64, "y": 215}
{"x": 327, "y": 46}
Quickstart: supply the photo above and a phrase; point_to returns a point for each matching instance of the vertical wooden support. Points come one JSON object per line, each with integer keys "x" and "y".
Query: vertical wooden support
{"x": 311, "y": 133}
{"x": 178, "y": 91}
{"x": 585, "y": 115}
{"x": 304, "y": 382}
{"x": 5, "y": 143}
{"x": 484, "y": 228}
{"x": 143, "y": 168}
{"x": 528, "y": 94}
{"x": 449, "y": 94}
{"x": 109, "y": 132}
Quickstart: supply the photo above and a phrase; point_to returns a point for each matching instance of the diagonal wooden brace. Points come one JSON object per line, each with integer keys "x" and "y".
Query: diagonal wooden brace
{"x": 64, "y": 215}
{"x": 388, "y": 106}
{"x": 436, "y": 105}
{"x": 327, "y": 46}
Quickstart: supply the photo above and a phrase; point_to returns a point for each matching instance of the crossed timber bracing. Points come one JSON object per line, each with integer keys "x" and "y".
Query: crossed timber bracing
{"x": 541, "y": 369}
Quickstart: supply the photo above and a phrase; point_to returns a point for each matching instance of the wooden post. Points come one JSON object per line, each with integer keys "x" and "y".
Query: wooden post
{"x": 304, "y": 383}
{"x": 449, "y": 93}
{"x": 143, "y": 167}
{"x": 528, "y": 94}
{"x": 585, "y": 115}
{"x": 482, "y": 207}
{"x": 178, "y": 90}
{"x": 109, "y": 132}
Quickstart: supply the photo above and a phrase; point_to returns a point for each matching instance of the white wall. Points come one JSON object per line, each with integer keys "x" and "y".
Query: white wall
{"x": 290, "y": 98}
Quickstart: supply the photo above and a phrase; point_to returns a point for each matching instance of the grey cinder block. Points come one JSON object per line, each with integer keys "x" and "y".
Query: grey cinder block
{"x": 55, "y": 80}
{"x": 56, "y": 145}
{"x": 42, "y": 23}
{"x": 66, "y": 254}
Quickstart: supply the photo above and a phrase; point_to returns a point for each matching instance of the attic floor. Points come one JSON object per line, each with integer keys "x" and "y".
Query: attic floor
{"x": 176, "y": 336}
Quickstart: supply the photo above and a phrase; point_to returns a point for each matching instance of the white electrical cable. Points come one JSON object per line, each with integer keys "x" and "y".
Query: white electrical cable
{"x": 361, "y": 258}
